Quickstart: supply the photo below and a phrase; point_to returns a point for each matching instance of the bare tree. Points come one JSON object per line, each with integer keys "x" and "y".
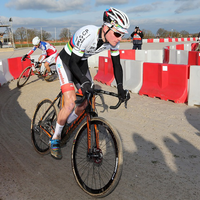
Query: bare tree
{"x": 162, "y": 32}
{"x": 184, "y": 33}
{"x": 20, "y": 34}
{"x": 147, "y": 34}
{"x": 65, "y": 34}
{"x": 46, "y": 35}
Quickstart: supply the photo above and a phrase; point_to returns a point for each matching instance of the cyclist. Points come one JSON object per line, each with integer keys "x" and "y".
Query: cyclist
{"x": 48, "y": 51}
{"x": 72, "y": 66}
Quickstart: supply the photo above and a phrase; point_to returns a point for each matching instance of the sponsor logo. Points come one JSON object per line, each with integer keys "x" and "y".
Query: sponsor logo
{"x": 61, "y": 77}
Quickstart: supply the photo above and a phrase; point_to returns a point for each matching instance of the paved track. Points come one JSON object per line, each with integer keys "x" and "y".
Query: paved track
{"x": 160, "y": 142}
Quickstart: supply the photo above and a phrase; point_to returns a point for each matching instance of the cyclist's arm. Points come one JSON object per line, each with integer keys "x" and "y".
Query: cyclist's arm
{"x": 118, "y": 72}
{"x": 74, "y": 68}
{"x": 31, "y": 51}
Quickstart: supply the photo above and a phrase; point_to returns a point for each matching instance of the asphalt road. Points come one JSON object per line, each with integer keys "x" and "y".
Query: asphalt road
{"x": 160, "y": 143}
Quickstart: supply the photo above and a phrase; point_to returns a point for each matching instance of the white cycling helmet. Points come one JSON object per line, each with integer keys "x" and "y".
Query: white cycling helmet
{"x": 36, "y": 40}
{"x": 116, "y": 18}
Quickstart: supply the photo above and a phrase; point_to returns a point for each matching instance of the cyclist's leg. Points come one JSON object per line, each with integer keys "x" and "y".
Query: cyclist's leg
{"x": 85, "y": 69}
{"x": 68, "y": 91}
{"x": 49, "y": 61}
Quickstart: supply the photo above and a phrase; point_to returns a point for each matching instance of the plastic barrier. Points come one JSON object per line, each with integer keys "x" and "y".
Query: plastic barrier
{"x": 125, "y": 54}
{"x": 180, "y": 46}
{"x": 193, "y": 57}
{"x": 165, "y": 81}
{"x": 25, "y": 64}
{"x": 141, "y": 55}
{"x": 198, "y": 58}
{"x": 194, "y": 46}
{"x": 132, "y": 75}
{"x": 149, "y": 55}
{"x": 5, "y": 75}
{"x": 105, "y": 71}
{"x": 154, "y": 56}
{"x": 172, "y": 56}
{"x": 182, "y": 57}
{"x": 187, "y": 47}
{"x": 93, "y": 61}
{"x": 194, "y": 84}
{"x": 15, "y": 66}
{"x": 178, "y": 57}
{"x": 166, "y": 55}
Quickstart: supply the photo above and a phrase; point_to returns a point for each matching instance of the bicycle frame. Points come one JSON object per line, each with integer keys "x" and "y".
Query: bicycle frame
{"x": 88, "y": 112}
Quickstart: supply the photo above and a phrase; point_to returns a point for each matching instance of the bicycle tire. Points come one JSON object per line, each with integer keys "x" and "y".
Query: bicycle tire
{"x": 39, "y": 137}
{"x": 24, "y": 76}
{"x": 98, "y": 179}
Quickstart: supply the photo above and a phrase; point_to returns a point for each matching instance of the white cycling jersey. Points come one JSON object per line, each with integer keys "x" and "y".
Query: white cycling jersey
{"x": 84, "y": 43}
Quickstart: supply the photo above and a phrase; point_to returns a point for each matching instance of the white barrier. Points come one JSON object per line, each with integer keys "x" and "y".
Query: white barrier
{"x": 187, "y": 47}
{"x": 155, "y": 56}
{"x": 194, "y": 85}
{"x": 93, "y": 61}
{"x": 5, "y": 75}
{"x": 149, "y": 55}
{"x": 178, "y": 56}
{"x": 182, "y": 57}
{"x": 132, "y": 75}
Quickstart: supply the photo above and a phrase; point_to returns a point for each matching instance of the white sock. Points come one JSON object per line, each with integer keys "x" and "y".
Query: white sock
{"x": 72, "y": 117}
{"x": 58, "y": 131}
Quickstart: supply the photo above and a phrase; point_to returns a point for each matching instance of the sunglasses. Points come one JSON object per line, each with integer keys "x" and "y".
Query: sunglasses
{"x": 117, "y": 34}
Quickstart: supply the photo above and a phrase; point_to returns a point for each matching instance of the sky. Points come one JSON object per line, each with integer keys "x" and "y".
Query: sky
{"x": 54, "y": 15}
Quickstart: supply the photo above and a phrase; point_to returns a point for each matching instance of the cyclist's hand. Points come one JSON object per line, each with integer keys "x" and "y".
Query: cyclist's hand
{"x": 24, "y": 57}
{"x": 86, "y": 85}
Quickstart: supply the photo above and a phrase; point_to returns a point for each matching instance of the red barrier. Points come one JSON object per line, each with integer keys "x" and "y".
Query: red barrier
{"x": 198, "y": 58}
{"x": 166, "y": 55}
{"x": 125, "y": 54}
{"x": 165, "y": 81}
{"x": 180, "y": 46}
{"x": 149, "y": 40}
{"x": 194, "y": 46}
{"x": 15, "y": 66}
{"x": 105, "y": 72}
{"x": 193, "y": 58}
{"x": 161, "y": 40}
{"x": 26, "y": 63}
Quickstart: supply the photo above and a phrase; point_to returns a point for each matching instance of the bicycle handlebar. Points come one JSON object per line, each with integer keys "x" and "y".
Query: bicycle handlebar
{"x": 33, "y": 60}
{"x": 99, "y": 91}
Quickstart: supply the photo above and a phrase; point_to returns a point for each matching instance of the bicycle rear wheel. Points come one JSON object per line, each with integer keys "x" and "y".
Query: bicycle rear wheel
{"x": 97, "y": 176}
{"x": 24, "y": 76}
{"x": 43, "y": 125}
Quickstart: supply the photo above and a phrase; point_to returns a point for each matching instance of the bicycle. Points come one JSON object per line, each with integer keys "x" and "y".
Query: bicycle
{"x": 41, "y": 72}
{"x": 97, "y": 154}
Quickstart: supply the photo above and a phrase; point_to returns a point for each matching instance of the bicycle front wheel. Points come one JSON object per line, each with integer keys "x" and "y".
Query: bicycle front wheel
{"x": 24, "y": 76}
{"x": 43, "y": 125}
{"x": 99, "y": 174}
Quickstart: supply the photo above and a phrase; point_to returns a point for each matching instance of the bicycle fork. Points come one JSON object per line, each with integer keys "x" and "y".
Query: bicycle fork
{"x": 94, "y": 152}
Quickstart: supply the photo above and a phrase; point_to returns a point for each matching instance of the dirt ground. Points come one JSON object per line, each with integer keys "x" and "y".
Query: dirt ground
{"x": 160, "y": 144}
